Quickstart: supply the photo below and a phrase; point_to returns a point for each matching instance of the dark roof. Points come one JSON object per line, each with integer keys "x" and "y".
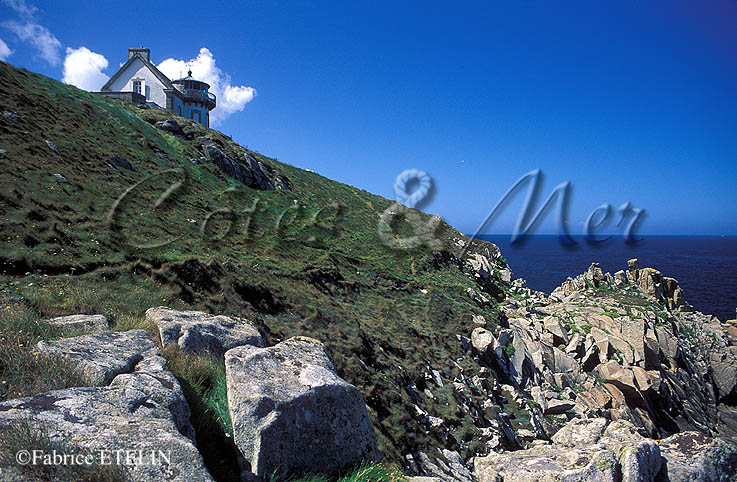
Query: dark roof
{"x": 159, "y": 75}
{"x": 190, "y": 78}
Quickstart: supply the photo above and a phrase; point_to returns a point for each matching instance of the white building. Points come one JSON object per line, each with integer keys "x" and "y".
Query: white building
{"x": 138, "y": 80}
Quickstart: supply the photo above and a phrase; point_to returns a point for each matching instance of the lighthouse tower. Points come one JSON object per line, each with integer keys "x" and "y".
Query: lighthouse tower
{"x": 197, "y": 101}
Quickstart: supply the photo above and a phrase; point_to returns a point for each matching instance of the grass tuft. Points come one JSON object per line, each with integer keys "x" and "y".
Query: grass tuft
{"x": 25, "y": 435}
{"x": 377, "y": 472}
{"x": 203, "y": 382}
{"x": 23, "y": 370}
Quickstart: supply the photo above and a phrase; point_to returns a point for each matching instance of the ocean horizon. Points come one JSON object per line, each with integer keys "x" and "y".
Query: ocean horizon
{"x": 705, "y": 266}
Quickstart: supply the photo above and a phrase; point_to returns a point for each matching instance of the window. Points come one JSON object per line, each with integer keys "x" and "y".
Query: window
{"x": 196, "y": 116}
{"x": 137, "y": 86}
{"x": 180, "y": 110}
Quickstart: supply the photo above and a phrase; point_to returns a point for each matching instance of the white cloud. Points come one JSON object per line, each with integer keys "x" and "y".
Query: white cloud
{"x": 230, "y": 98}
{"x": 83, "y": 68}
{"x": 21, "y": 7}
{"x": 44, "y": 41}
{"x": 5, "y": 51}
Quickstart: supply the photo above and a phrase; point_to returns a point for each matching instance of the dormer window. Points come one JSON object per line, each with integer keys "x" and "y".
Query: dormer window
{"x": 137, "y": 86}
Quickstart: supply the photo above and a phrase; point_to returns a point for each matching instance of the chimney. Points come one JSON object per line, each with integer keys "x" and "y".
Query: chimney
{"x": 145, "y": 53}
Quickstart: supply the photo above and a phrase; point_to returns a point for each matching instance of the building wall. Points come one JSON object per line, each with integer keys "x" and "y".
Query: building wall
{"x": 150, "y": 85}
{"x": 178, "y": 106}
{"x": 190, "y": 110}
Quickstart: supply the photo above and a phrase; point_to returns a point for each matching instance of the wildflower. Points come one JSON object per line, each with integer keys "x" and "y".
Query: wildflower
{"x": 163, "y": 299}
{"x": 4, "y": 382}
{"x": 20, "y": 344}
{"x": 7, "y": 307}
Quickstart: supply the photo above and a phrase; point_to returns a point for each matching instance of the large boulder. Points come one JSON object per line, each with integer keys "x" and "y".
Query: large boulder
{"x": 84, "y": 323}
{"x": 195, "y": 331}
{"x": 292, "y": 414}
{"x": 693, "y": 456}
{"x": 102, "y": 356}
{"x": 140, "y": 422}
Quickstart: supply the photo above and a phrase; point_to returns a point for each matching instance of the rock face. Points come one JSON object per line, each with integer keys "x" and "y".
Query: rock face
{"x": 102, "y": 356}
{"x": 589, "y": 450}
{"x": 121, "y": 162}
{"x": 291, "y": 413}
{"x": 246, "y": 169}
{"x": 143, "y": 410}
{"x": 693, "y": 456}
{"x": 85, "y": 323}
{"x": 195, "y": 331}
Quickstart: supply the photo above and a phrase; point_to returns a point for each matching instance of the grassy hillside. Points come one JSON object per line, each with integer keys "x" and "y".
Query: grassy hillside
{"x": 387, "y": 316}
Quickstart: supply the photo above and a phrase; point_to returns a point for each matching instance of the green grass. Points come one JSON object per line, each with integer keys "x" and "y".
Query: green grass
{"x": 23, "y": 370}
{"x": 203, "y": 382}
{"x": 364, "y": 473}
{"x": 330, "y": 278}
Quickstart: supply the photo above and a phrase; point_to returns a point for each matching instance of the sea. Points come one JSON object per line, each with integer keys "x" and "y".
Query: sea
{"x": 705, "y": 266}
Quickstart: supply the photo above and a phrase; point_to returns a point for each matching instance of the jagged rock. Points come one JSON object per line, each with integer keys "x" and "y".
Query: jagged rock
{"x": 465, "y": 342}
{"x": 249, "y": 171}
{"x": 52, "y": 146}
{"x": 86, "y": 323}
{"x": 292, "y": 413}
{"x": 102, "y": 356}
{"x": 622, "y": 378}
{"x": 595, "y": 275}
{"x": 620, "y": 278}
{"x": 478, "y": 298}
{"x": 554, "y": 326}
{"x": 143, "y": 412}
{"x": 478, "y": 320}
{"x": 580, "y": 432}
{"x": 196, "y": 331}
{"x": 564, "y": 363}
{"x": 11, "y": 115}
{"x": 596, "y": 399}
{"x": 121, "y": 162}
{"x": 447, "y": 466}
{"x": 692, "y": 456}
{"x": 724, "y": 368}
{"x": 584, "y": 452}
{"x": 558, "y": 407}
{"x": 170, "y": 125}
{"x": 482, "y": 266}
{"x": 650, "y": 282}
{"x": 482, "y": 339}
{"x": 633, "y": 270}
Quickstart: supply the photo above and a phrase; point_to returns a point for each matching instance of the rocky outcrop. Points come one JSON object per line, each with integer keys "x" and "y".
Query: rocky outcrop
{"x": 171, "y": 126}
{"x": 102, "y": 356}
{"x": 120, "y": 161}
{"x": 82, "y": 323}
{"x": 196, "y": 331}
{"x": 445, "y": 466}
{"x": 595, "y": 450}
{"x": 244, "y": 168}
{"x": 692, "y": 456}
{"x": 139, "y": 422}
{"x": 292, "y": 414}
{"x": 601, "y": 346}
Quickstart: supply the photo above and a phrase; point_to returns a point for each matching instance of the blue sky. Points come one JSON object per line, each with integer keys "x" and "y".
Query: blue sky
{"x": 627, "y": 102}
